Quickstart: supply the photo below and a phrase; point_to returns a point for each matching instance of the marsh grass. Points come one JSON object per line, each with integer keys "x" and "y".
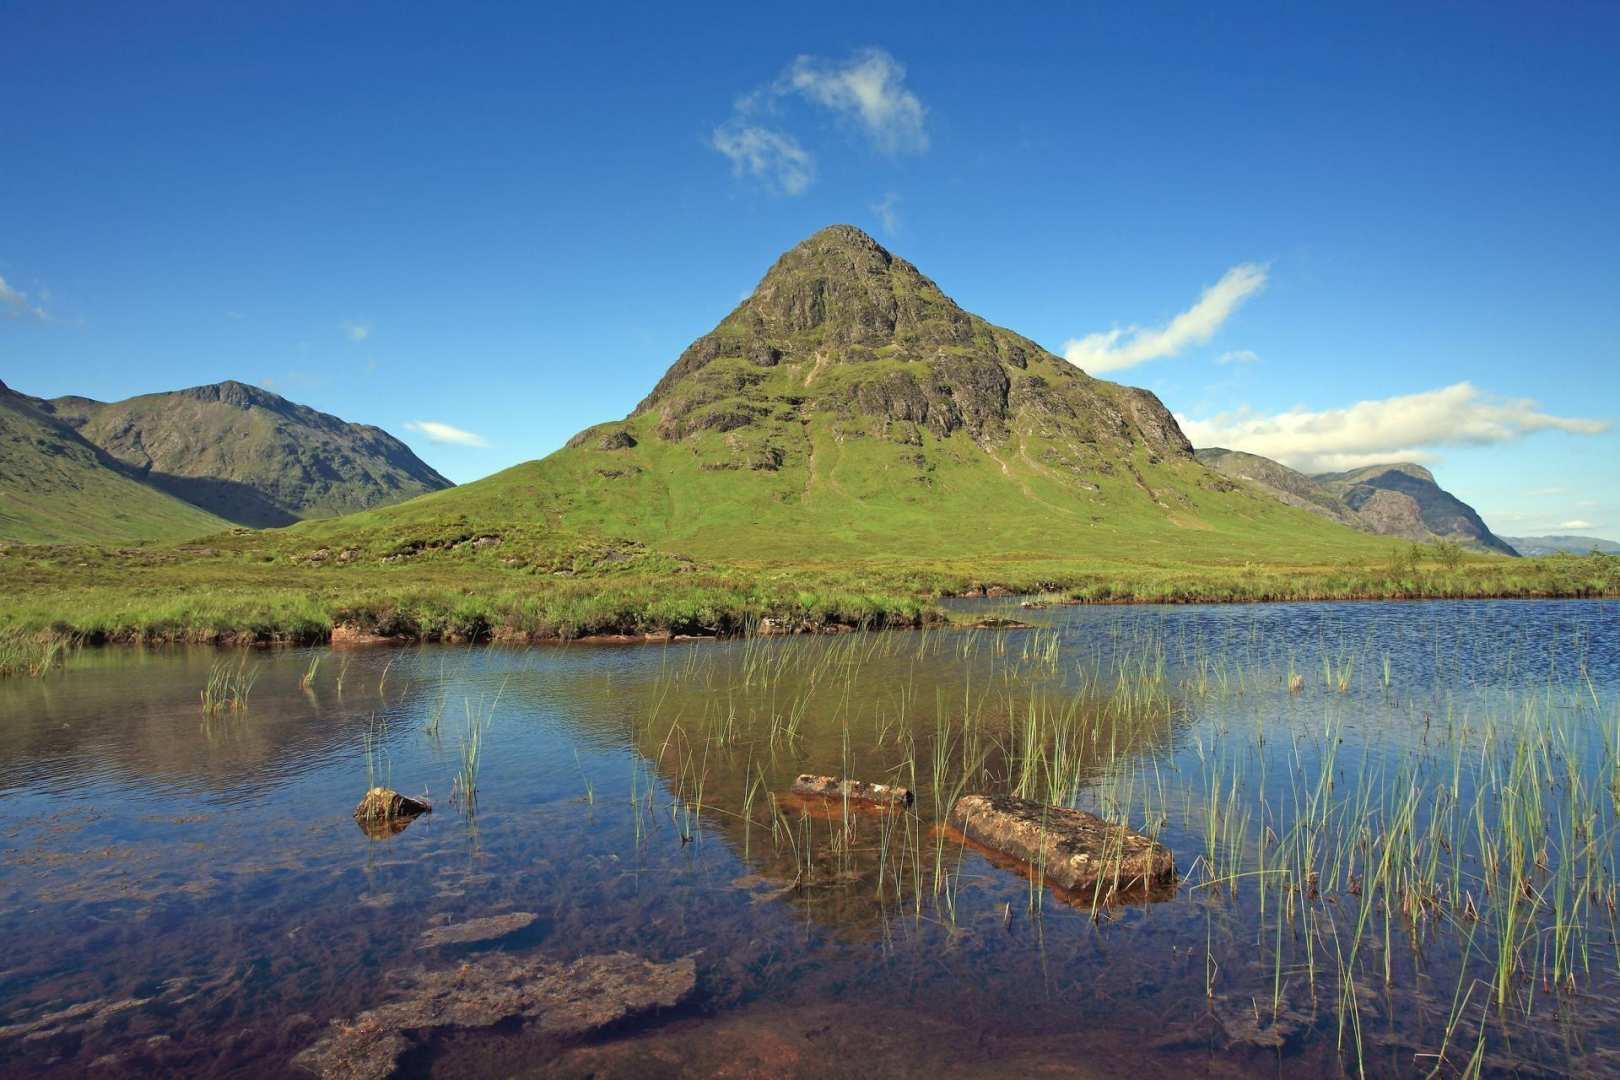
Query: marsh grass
{"x": 477, "y": 719}
{"x": 374, "y": 744}
{"x": 228, "y": 687}
{"x": 33, "y": 654}
{"x": 1354, "y": 835}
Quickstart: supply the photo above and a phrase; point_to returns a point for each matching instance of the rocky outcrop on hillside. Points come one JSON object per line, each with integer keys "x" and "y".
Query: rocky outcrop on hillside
{"x": 1398, "y": 499}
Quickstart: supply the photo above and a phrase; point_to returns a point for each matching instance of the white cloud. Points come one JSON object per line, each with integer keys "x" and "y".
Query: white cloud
{"x": 1373, "y": 432}
{"x": 1238, "y": 356}
{"x": 357, "y": 331}
{"x": 445, "y": 433}
{"x": 1577, "y": 523}
{"x": 1124, "y": 347}
{"x": 771, "y": 156}
{"x": 868, "y": 90}
{"x": 14, "y": 304}
{"x": 887, "y": 210}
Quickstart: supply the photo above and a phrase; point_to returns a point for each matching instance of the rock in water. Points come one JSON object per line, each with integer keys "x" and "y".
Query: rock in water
{"x": 474, "y": 930}
{"x": 562, "y": 1000}
{"x": 384, "y": 812}
{"x": 1071, "y": 848}
{"x": 830, "y": 787}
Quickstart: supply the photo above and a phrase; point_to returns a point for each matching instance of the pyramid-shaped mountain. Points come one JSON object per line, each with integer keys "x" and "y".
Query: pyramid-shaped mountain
{"x": 849, "y": 409}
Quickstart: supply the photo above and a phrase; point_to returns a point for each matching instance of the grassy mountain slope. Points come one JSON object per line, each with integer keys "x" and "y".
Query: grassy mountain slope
{"x": 849, "y": 410}
{"x": 56, "y": 488}
{"x": 248, "y": 455}
{"x": 1399, "y": 499}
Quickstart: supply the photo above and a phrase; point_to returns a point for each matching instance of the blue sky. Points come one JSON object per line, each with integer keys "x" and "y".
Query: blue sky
{"x": 1334, "y": 238}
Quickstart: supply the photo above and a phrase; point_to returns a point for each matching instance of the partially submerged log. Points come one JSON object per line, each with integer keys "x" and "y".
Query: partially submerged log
{"x": 831, "y": 787}
{"x": 1071, "y": 848}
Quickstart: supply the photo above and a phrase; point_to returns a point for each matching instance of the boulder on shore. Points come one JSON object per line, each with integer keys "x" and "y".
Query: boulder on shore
{"x": 831, "y": 787}
{"x": 1071, "y": 848}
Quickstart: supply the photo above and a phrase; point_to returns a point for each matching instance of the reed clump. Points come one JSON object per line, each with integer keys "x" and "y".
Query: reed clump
{"x": 228, "y": 687}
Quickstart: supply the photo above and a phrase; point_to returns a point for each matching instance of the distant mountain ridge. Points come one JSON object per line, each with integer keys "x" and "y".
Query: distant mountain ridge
{"x": 169, "y": 466}
{"x": 249, "y": 455}
{"x": 56, "y": 487}
{"x": 1398, "y": 499}
{"x": 1562, "y": 545}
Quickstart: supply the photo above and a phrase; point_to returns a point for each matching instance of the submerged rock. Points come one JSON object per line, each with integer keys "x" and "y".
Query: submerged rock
{"x": 1071, "y": 848}
{"x": 486, "y": 929}
{"x": 564, "y": 1001}
{"x": 830, "y": 787}
{"x": 386, "y": 804}
{"x": 999, "y": 622}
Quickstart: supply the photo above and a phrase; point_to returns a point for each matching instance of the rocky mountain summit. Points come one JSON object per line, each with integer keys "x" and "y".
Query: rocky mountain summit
{"x": 1399, "y": 499}
{"x": 842, "y": 332}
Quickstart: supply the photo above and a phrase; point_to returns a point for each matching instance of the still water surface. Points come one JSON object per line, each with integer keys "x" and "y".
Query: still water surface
{"x": 1346, "y": 789}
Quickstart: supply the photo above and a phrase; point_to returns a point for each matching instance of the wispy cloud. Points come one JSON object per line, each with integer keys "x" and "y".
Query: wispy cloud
{"x": 1238, "y": 356}
{"x": 15, "y": 304}
{"x": 356, "y": 331}
{"x": 1125, "y": 347}
{"x": 1405, "y": 428}
{"x": 445, "y": 433}
{"x": 1576, "y": 523}
{"x": 772, "y": 157}
{"x": 867, "y": 90}
{"x": 887, "y": 211}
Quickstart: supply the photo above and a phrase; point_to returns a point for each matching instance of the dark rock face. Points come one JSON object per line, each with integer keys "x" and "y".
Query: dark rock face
{"x": 1405, "y": 496}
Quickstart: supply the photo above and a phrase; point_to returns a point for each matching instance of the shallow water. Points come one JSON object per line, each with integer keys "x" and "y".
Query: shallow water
{"x": 197, "y": 886}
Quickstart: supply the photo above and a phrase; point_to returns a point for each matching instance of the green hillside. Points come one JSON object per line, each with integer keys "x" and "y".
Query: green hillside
{"x": 849, "y": 411}
{"x": 56, "y": 488}
{"x": 845, "y": 445}
{"x": 248, "y": 455}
